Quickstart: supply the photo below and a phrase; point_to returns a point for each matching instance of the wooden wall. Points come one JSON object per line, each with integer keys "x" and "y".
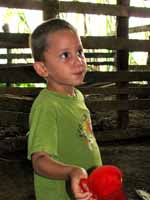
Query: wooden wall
{"x": 98, "y": 83}
{"x": 105, "y": 92}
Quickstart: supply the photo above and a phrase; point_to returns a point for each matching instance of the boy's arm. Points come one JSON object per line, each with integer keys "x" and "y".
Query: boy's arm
{"x": 44, "y": 165}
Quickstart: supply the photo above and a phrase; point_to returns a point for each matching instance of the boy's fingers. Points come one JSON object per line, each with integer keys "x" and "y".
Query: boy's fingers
{"x": 83, "y": 196}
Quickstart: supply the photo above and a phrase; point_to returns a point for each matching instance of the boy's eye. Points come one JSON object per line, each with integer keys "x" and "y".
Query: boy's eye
{"x": 64, "y": 55}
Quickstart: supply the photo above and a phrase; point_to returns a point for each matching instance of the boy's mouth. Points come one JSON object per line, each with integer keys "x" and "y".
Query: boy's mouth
{"x": 79, "y": 73}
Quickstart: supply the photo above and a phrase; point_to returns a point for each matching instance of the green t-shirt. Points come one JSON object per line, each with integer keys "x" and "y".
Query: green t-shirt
{"x": 60, "y": 125}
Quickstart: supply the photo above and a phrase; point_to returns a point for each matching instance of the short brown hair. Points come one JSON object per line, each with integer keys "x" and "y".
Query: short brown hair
{"x": 38, "y": 39}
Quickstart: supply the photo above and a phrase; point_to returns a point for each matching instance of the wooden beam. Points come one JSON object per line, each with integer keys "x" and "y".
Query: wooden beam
{"x": 16, "y": 56}
{"x": 19, "y": 91}
{"x": 28, "y": 75}
{"x": 113, "y": 90}
{"x": 101, "y": 63}
{"x": 115, "y": 43}
{"x": 122, "y": 134}
{"x": 18, "y": 118}
{"x": 16, "y": 40}
{"x": 137, "y": 29}
{"x": 28, "y": 4}
{"x": 93, "y": 77}
{"x": 122, "y": 61}
{"x": 106, "y": 91}
{"x": 117, "y": 105}
{"x": 103, "y": 9}
{"x": 80, "y": 7}
{"x": 99, "y": 55}
{"x": 16, "y": 104}
{"x": 23, "y": 74}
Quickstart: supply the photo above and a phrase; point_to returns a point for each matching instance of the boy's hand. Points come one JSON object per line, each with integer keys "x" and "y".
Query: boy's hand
{"x": 76, "y": 175}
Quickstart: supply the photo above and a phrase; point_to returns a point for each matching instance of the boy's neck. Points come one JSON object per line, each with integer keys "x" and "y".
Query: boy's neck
{"x": 66, "y": 91}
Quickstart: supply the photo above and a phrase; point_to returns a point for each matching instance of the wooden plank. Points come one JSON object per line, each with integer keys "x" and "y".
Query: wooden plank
{"x": 18, "y": 143}
{"x": 118, "y": 105}
{"x": 25, "y": 74}
{"x": 90, "y": 42}
{"x": 99, "y": 55}
{"x": 122, "y": 134}
{"x": 79, "y": 7}
{"x": 14, "y": 103}
{"x": 107, "y": 91}
{"x": 137, "y": 29}
{"x": 139, "y": 67}
{"x": 19, "y": 65}
{"x": 50, "y": 9}
{"x": 27, "y": 55}
{"x": 13, "y": 144}
{"x": 15, "y": 56}
{"x": 16, "y": 40}
{"x": 17, "y": 104}
{"x": 101, "y": 63}
{"x": 28, "y": 75}
{"x": 28, "y": 4}
{"x": 103, "y": 9}
{"x": 122, "y": 62}
{"x": 93, "y": 77}
{"x": 10, "y": 118}
{"x": 16, "y": 66}
{"x": 20, "y": 91}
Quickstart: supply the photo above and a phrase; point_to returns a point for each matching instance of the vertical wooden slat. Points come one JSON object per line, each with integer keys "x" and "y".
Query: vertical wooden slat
{"x": 50, "y": 11}
{"x": 122, "y": 62}
{"x": 9, "y": 60}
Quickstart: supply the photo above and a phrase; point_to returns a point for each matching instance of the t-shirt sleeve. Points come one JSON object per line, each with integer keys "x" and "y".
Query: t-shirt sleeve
{"x": 42, "y": 136}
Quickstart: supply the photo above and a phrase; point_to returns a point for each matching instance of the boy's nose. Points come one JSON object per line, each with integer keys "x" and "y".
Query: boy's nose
{"x": 79, "y": 60}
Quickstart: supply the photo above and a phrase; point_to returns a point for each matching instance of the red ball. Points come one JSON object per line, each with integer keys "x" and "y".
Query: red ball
{"x": 106, "y": 183}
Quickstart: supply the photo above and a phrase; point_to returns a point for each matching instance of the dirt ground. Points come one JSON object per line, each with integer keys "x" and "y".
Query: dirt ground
{"x": 133, "y": 158}
{"x": 16, "y": 173}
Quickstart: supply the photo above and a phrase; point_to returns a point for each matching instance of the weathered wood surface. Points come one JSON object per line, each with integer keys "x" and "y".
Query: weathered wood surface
{"x": 20, "y": 91}
{"x": 93, "y": 77}
{"x": 99, "y": 90}
{"x": 15, "y": 56}
{"x": 26, "y": 74}
{"x": 99, "y": 55}
{"x": 118, "y": 105}
{"x": 79, "y": 7}
{"x": 27, "y": 55}
{"x": 10, "y": 118}
{"x": 114, "y": 43}
{"x": 11, "y": 143}
{"x": 8, "y": 103}
{"x": 23, "y": 104}
{"x": 105, "y": 9}
{"x": 137, "y": 29}
{"x": 16, "y": 40}
{"x": 14, "y": 103}
{"x": 132, "y": 68}
{"x": 15, "y": 111}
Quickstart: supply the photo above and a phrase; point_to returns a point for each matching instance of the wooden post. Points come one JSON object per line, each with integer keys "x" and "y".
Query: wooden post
{"x": 50, "y": 9}
{"x": 122, "y": 63}
{"x": 9, "y": 60}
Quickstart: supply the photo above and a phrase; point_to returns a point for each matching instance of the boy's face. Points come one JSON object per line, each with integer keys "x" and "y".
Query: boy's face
{"x": 64, "y": 59}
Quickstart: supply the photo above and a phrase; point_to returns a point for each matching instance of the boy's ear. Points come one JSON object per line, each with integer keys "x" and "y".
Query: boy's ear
{"x": 40, "y": 69}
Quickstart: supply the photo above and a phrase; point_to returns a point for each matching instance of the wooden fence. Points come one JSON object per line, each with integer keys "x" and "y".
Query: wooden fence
{"x": 116, "y": 83}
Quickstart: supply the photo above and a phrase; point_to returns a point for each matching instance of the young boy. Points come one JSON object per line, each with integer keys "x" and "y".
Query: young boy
{"x": 61, "y": 143}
